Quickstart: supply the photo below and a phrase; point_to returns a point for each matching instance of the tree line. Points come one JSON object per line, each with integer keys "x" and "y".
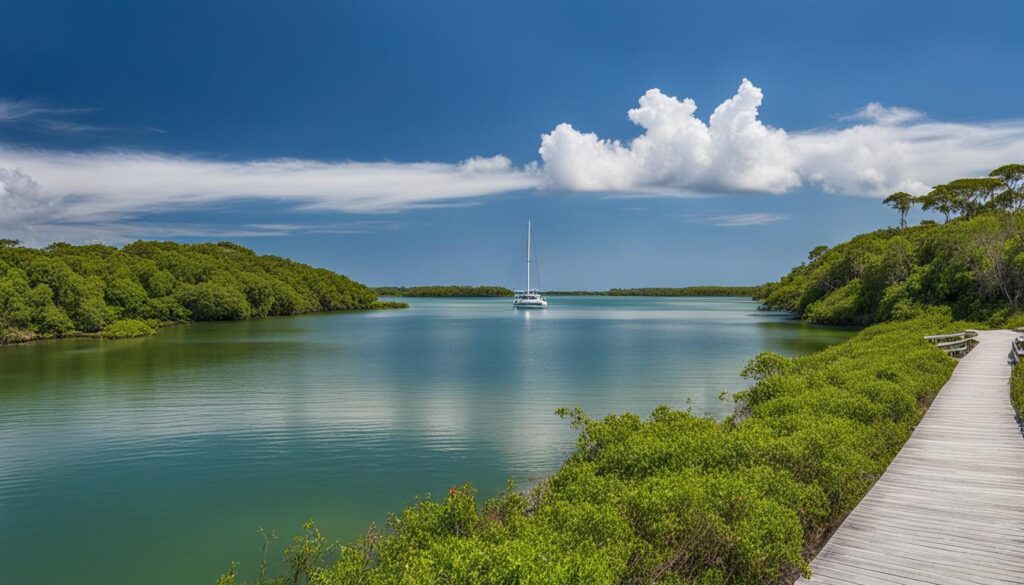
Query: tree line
{"x": 64, "y": 290}
{"x": 443, "y": 291}
{"x": 687, "y": 291}
{"x": 499, "y": 291}
{"x": 1002, "y": 189}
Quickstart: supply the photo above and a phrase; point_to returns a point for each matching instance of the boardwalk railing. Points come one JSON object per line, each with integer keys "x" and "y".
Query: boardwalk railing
{"x": 956, "y": 344}
{"x": 1017, "y": 350}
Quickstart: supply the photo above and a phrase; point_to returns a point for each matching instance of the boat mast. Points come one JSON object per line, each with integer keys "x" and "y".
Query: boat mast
{"x": 529, "y": 231}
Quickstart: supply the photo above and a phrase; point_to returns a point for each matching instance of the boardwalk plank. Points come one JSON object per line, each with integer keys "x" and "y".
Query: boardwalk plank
{"x": 949, "y": 510}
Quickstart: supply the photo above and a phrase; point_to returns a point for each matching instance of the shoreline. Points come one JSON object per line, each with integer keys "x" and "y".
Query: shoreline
{"x": 37, "y": 338}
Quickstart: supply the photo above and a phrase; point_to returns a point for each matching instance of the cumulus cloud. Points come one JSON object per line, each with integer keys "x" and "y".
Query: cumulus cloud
{"x": 677, "y": 150}
{"x": 884, "y": 149}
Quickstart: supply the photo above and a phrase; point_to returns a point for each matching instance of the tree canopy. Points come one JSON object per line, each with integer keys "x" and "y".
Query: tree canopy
{"x": 65, "y": 290}
{"x": 901, "y": 202}
{"x": 975, "y": 266}
{"x": 1002, "y": 189}
{"x": 1013, "y": 177}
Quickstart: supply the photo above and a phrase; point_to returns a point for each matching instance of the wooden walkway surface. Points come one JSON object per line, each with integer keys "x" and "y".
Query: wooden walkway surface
{"x": 950, "y": 507}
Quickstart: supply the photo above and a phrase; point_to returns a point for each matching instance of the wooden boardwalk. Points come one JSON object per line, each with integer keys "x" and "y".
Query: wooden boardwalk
{"x": 950, "y": 507}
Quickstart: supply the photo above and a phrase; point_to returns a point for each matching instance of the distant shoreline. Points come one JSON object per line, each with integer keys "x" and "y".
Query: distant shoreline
{"x": 465, "y": 291}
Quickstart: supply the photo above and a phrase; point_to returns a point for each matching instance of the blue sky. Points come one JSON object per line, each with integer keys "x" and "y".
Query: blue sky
{"x": 362, "y": 136}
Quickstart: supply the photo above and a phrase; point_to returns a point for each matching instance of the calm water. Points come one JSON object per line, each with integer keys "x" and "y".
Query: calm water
{"x": 155, "y": 460}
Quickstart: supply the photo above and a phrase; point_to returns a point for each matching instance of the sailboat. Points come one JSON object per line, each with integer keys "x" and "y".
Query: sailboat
{"x": 529, "y": 298}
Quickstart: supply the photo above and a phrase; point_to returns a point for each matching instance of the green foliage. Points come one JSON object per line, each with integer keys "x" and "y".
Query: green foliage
{"x": 67, "y": 290}
{"x": 389, "y": 305}
{"x": 901, "y": 202}
{"x": 1014, "y": 321}
{"x": 973, "y": 265}
{"x": 765, "y": 365}
{"x": 1003, "y": 189}
{"x": 443, "y": 291}
{"x": 674, "y": 498}
{"x": 843, "y": 305}
{"x": 127, "y": 328}
{"x": 213, "y": 301}
{"x": 1013, "y": 177}
{"x": 688, "y": 291}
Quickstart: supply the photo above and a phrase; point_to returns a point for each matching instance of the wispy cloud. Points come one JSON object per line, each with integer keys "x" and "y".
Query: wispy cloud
{"x": 733, "y": 219}
{"x": 885, "y": 149}
{"x": 44, "y": 118}
{"x": 122, "y": 232}
{"x": 67, "y": 127}
{"x": 108, "y": 187}
{"x": 12, "y": 110}
{"x": 747, "y": 219}
{"x": 885, "y": 115}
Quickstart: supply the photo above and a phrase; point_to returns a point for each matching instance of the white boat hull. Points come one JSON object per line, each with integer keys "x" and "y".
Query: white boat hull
{"x": 531, "y": 305}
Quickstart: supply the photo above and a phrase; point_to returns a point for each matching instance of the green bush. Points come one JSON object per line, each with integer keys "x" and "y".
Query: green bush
{"x": 127, "y": 328}
{"x": 1014, "y": 321}
{"x": 390, "y": 305}
{"x": 53, "y": 321}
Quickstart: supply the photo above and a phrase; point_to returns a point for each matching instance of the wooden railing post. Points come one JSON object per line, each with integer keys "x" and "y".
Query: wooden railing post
{"x": 1017, "y": 350}
{"x": 955, "y": 344}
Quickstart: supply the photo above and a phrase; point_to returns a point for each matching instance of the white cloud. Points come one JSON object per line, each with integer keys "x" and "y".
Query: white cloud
{"x": 22, "y": 199}
{"x": 877, "y": 113}
{"x": 123, "y": 232}
{"x": 11, "y": 110}
{"x": 747, "y": 219}
{"x": 879, "y": 150}
{"x": 677, "y": 150}
{"x": 43, "y": 118}
{"x": 887, "y": 149}
{"x": 108, "y": 186}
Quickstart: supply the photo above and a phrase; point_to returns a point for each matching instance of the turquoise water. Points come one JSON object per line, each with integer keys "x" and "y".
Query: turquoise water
{"x": 156, "y": 460}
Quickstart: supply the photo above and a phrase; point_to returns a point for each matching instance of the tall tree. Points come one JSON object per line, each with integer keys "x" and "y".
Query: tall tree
{"x": 976, "y": 194}
{"x": 1013, "y": 177}
{"x": 901, "y": 202}
{"x": 940, "y": 199}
